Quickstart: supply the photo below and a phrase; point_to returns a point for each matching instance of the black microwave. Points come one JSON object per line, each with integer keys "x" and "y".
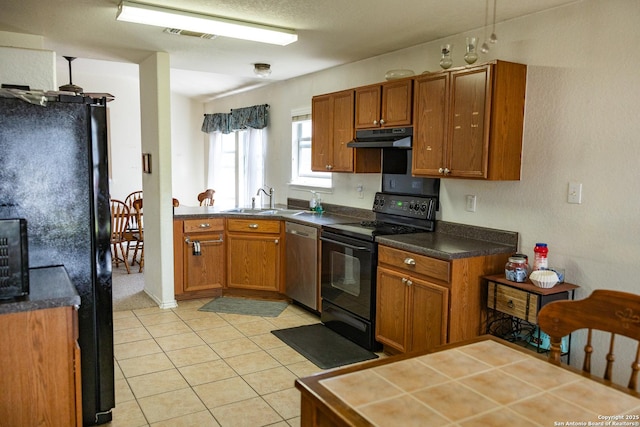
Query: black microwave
{"x": 14, "y": 258}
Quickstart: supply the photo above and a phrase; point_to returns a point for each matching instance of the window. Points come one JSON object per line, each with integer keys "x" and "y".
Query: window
{"x": 236, "y": 166}
{"x": 301, "y": 173}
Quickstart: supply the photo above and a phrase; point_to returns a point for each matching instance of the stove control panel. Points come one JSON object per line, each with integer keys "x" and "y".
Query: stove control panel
{"x": 420, "y": 207}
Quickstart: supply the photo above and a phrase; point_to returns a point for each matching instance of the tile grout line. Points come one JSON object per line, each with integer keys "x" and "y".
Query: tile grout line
{"x": 139, "y": 316}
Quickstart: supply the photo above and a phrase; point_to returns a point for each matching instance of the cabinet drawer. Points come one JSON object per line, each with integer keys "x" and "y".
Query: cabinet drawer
{"x": 203, "y": 225}
{"x": 253, "y": 226}
{"x": 414, "y": 263}
{"x": 514, "y": 302}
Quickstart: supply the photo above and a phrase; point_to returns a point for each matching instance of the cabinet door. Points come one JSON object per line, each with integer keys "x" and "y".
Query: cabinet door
{"x": 391, "y": 309}
{"x": 396, "y": 103}
{"x": 368, "y": 102}
{"x": 321, "y": 133}
{"x": 253, "y": 261}
{"x": 468, "y": 152}
{"x": 430, "y": 124}
{"x": 205, "y": 270}
{"x": 428, "y": 315}
{"x": 342, "y": 131}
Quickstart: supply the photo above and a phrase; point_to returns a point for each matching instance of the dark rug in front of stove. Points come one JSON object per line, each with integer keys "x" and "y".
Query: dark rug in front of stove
{"x": 322, "y": 346}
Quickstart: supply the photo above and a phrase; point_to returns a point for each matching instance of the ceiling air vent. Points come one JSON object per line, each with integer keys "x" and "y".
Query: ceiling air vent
{"x": 179, "y": 32}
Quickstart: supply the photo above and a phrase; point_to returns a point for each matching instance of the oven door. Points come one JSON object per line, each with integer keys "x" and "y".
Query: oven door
{"x": 348, "y": 273}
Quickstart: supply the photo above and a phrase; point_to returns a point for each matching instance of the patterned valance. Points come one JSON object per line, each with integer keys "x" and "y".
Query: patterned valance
{"x": 239, "y": 119}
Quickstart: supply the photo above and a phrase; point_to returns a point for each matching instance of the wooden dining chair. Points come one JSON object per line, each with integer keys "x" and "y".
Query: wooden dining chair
{"x": 206, "y": 197}
{"x": 119, "y": 223}
{"x": 133, "y": 223}
{"x": 614, "y": 312}
{"x": 138, "y": 235}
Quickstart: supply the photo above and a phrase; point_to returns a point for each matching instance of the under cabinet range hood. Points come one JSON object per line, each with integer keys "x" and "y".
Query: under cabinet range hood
{"x": 383, "y": 138}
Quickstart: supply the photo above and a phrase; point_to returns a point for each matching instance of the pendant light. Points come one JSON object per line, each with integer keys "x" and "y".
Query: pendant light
{"x": 485, "y": 47}
{"x": 493, "y": 39}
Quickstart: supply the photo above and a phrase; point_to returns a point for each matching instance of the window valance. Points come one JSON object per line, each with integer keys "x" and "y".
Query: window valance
{"x": 254, "y": 117}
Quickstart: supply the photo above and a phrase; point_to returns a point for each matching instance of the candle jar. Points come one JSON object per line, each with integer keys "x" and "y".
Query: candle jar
{"x": 445, "y": 60}
{"x": 516, "y": 269}
{"x": 472, "y": 55}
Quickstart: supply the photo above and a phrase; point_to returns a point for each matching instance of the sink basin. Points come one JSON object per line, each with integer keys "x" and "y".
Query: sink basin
{"x": 244, "y": 210}
{"x": 281, "y": 212}
{"x": 258, "y": 211}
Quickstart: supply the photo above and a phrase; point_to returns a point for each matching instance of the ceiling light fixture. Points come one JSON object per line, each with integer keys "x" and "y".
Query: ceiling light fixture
{"x": 262, "y": 70}
{"x": 173, "y": 18}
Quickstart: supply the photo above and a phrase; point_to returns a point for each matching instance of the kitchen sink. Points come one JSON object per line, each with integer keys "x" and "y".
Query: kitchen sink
{"x": 258, "y": 211}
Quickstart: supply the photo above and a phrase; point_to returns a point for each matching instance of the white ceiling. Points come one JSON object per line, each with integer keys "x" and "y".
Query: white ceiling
{"x": 331, "y": 33}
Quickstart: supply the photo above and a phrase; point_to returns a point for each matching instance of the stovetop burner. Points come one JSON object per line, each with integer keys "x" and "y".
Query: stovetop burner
{"x": 395, "y": 214}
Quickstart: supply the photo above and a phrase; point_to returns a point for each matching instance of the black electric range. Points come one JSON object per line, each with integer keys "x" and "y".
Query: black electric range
{"x": 350, "y": 258}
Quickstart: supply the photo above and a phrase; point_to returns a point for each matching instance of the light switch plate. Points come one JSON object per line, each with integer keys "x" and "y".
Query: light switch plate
{"x": 471, "y": 203}
{"x": 575, "y": 193}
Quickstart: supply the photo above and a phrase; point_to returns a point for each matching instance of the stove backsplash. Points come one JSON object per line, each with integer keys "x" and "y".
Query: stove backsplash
{"x": 397, "y": 179}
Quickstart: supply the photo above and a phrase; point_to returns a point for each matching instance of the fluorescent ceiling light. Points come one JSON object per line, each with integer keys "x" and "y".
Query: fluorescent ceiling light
{"x": 173, "y": 18}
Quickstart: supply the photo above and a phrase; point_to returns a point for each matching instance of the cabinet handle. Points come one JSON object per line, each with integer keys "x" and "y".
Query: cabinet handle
{"x": 407, "y": 281}
{"x": 441, "y": 170}
{"x": 188, "y": 241}
{"x": 382, "y": 121}
{"x": 410, "y": 261}
{"x": 276, "y": 241}
{"x": 375, "y": 122}
{"x": 205, "y": 225}
{"x": 510, "y": 304}
{"x": 446, "y": 171}
{"x": 328, "y": 167}
{"x": 253, "y": 226}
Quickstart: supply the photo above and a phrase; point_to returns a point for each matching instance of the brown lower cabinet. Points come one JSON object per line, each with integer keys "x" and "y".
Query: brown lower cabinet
{"x": 40, "y": 368}
{"x": 235, "y": 254}
{"x": 423, "y": 302}
{"x": 254, "y": 254}
{"x": 199, "y": 257}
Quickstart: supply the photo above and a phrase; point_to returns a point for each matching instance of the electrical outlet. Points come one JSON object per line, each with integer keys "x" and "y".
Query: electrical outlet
{"x": 360, "y": 190}
{"x": 575, "y": 193}
{"x": 471, "y": 203}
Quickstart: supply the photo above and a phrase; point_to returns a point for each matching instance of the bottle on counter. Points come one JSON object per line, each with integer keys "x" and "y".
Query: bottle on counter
{"x": 540, "y": 261}
{"x": 313, "y": 202}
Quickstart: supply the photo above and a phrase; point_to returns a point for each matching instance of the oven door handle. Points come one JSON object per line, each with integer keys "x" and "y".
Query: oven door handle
{"x": 358, "y": 248}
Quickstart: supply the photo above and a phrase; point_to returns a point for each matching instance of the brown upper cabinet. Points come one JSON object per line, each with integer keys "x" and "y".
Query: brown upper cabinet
{"x": 384, "y": 105}
{"x": 468, "y": 122}
{"x": 332, "y": 128}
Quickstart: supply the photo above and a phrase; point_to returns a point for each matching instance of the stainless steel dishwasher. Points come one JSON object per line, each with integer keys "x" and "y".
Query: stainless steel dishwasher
{"x": 302, "y": 264}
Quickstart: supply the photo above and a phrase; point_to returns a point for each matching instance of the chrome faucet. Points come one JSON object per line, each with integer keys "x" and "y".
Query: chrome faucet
{"x": 272, "y": 202}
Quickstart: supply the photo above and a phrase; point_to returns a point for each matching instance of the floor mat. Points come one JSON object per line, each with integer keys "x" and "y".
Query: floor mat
{"x": 252, "y": 307}
{"x": 322, "y": 346}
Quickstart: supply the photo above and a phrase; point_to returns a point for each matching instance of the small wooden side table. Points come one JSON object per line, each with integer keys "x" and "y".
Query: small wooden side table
{"x": 513, "y": 308}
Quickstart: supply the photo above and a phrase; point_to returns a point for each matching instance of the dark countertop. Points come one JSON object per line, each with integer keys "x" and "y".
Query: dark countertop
{"x": 306, "y": 217}
{"x": 449, "y": 241}
{"x": 49, "y": 287}
{"x": 453, "y": 241}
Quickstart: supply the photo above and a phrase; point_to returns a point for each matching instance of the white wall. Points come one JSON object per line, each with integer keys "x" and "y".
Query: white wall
{"x": 187, "y": 149}
{"x": 581, "y": 125}
{"x": 122, "y": 81}
{"x": 24, "y": 62}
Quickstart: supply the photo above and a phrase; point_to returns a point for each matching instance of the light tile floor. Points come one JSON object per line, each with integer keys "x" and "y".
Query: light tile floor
{"x": 184, "y": 367}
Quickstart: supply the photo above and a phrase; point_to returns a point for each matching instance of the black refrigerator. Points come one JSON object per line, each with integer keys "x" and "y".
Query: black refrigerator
{"x": 54, "y": 173}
